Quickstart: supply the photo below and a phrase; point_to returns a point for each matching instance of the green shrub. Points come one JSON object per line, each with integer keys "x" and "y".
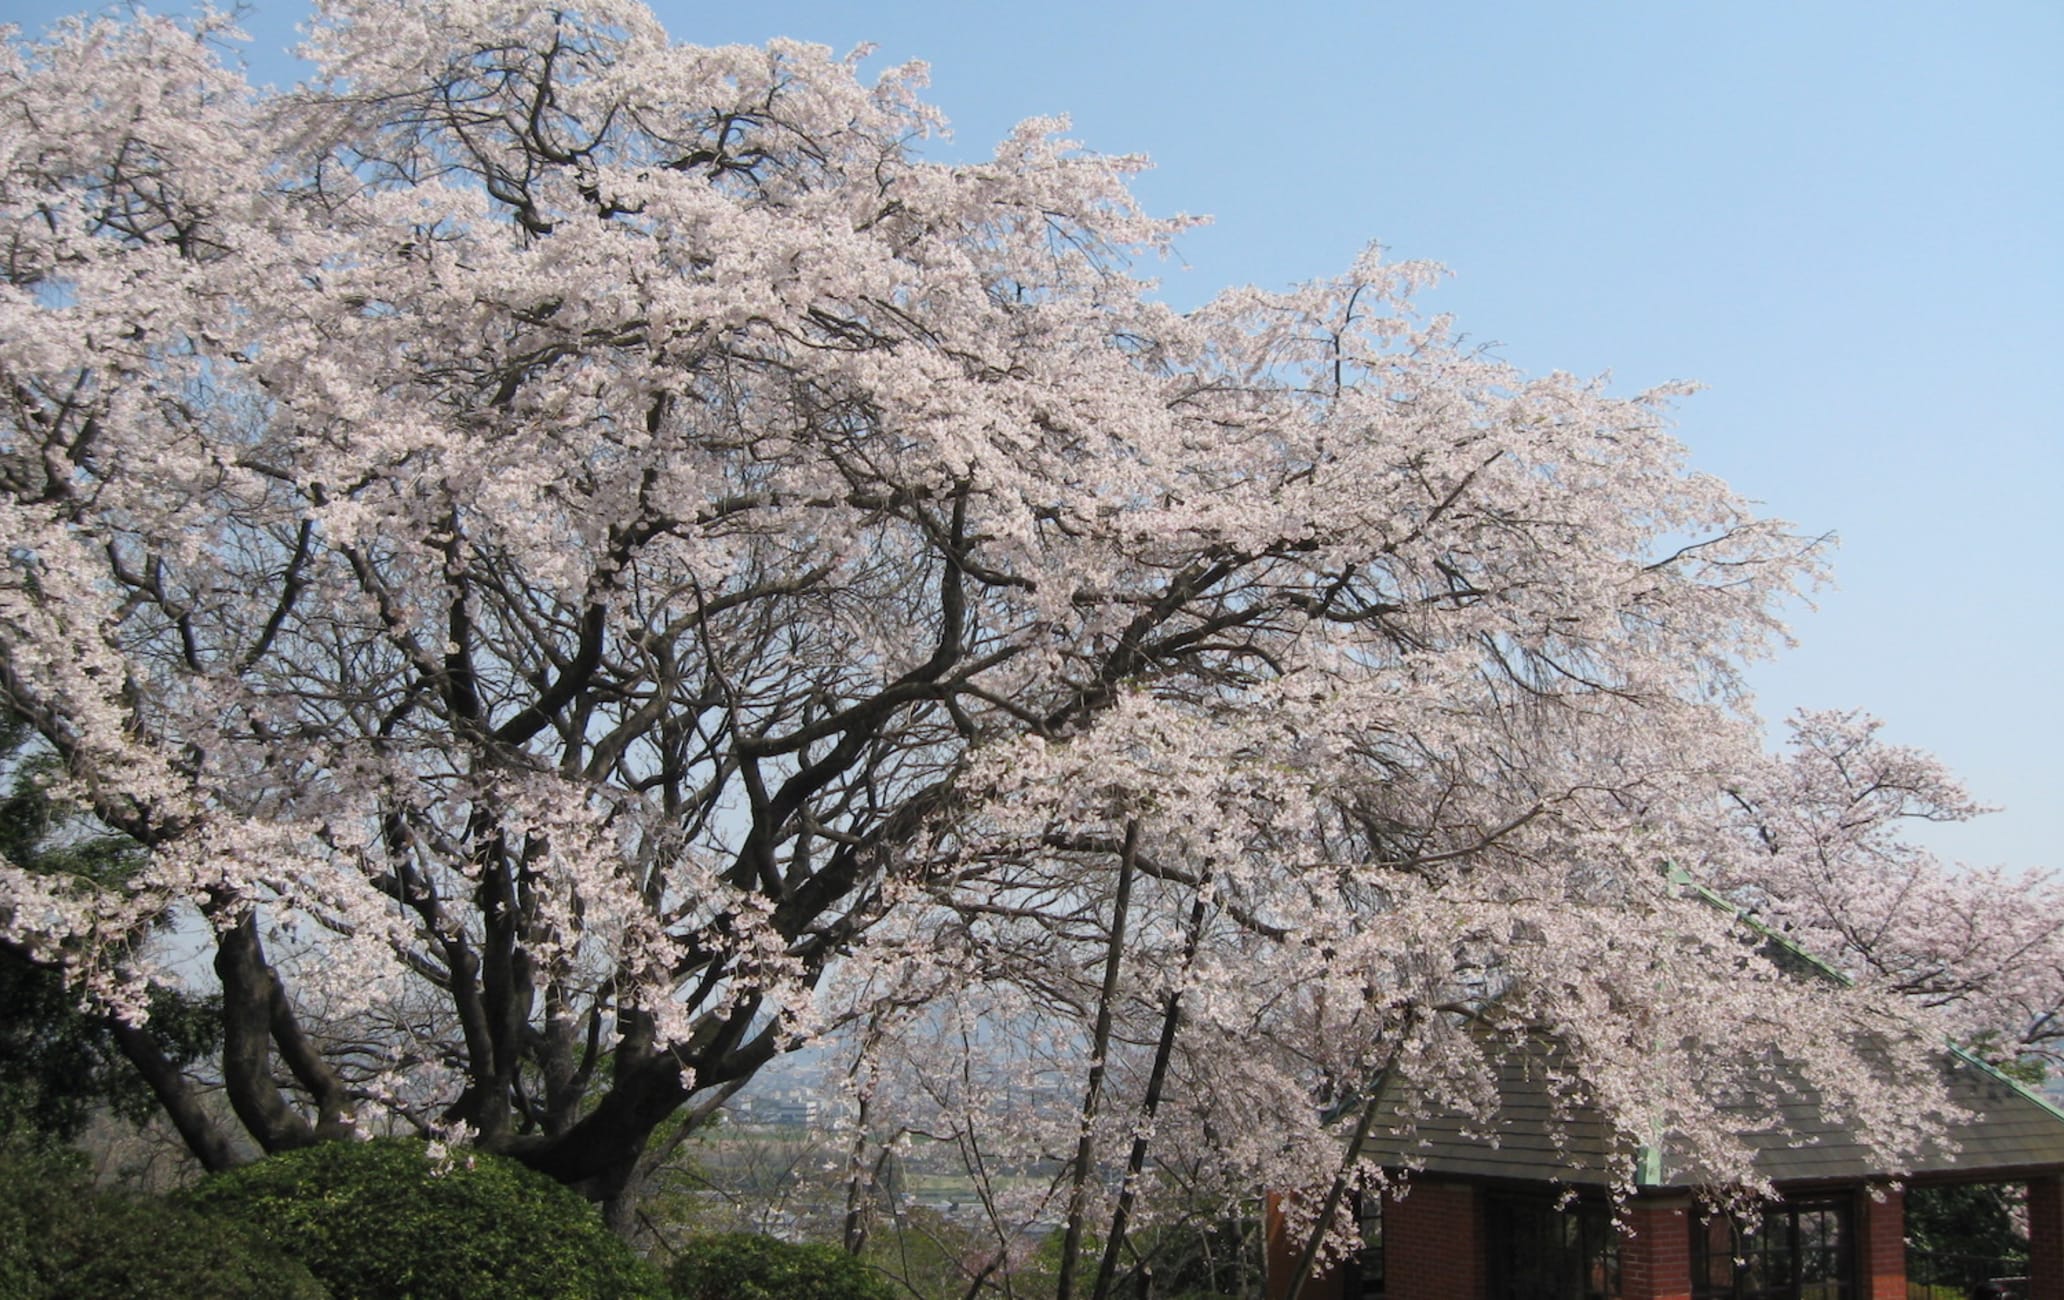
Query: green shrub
{"x": 378, "y": 1220}
{"x": 741, "y": 1266}
{"x": 61, "y": 1238}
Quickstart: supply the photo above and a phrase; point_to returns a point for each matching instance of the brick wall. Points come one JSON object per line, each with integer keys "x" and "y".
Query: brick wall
{"x": 1881, "y": 1247}
{"x": 1283, "y": 1251}
{"x": 1433, "y": 1238}
{"x": 1655, "y": 1250}
{"x": 2045, "y": 1239}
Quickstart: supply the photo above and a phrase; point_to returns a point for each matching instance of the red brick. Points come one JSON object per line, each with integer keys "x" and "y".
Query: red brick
{"x": 1881, "y": 1253}
{"x": 1283, "y": 1254}
{"x": 1433, "y": 1237}
{"x": 1655, "y": 1250}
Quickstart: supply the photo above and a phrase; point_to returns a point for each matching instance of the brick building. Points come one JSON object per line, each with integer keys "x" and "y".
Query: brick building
{"x": 1529, "y": 1218}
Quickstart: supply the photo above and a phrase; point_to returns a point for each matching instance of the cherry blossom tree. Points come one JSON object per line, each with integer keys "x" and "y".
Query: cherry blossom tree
{"x": 586, "y": 562}
{"x": 1827, "y": 859}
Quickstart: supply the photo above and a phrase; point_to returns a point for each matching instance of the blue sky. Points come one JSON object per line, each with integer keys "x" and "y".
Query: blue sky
{"x": 1843, "y": 218}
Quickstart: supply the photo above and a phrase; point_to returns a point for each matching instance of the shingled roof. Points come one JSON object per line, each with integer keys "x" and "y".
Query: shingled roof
{"x": 2012, "y": 1132}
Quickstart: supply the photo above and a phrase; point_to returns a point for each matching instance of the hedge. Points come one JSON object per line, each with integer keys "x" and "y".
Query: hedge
{"x": 59, "y": 1237}
{"x": 381, "y": 1221}
{"x": 741, "y": 1266}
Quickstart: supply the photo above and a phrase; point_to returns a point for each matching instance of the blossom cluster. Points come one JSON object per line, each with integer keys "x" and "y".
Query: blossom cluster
{"x": 591, "y": 561}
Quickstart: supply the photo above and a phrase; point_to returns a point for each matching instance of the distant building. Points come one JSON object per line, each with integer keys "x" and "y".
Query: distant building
{"x": 777, "y": 1106}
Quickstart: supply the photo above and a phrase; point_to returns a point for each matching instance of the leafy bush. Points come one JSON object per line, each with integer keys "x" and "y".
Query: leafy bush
{"x": 741, "y": 1266}
{"x": 379, "y": 1219}
{"x": 60, "y": 1238}
{"x": 1981, "y": 1219}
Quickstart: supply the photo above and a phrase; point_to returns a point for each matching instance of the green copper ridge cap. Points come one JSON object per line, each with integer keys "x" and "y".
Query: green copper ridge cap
{"x": 1970, "y": 1058}
{"x": 1682, "y": 880}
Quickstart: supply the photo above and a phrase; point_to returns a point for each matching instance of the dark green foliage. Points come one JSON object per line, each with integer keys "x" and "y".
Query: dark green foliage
{"x": 742, "y": 1266}
{"x": 59, "y": 1063}
{"x": 380, "y": 1221}
{"x": 61, "y": 1238}
{"x": 1977, "y": 1219}
{"x": 929, "y": 1254}
{"x": 1198, "y": 1258}
{"x": 38, "y": 1187}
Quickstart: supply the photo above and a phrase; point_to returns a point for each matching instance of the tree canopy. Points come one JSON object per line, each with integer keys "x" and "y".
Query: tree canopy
{"x": 584, "y": 562}
{"x": 59, "y": 1061}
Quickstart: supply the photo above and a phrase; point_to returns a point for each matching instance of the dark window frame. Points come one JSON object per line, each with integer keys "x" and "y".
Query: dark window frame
{"x": 1803, "y": 1249}
{"x": 1548, "y": 1247}
{"x": 1366, "y": 1268}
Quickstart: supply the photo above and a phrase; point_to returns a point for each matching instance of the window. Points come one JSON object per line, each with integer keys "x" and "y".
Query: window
{"x": 1542, "y": 1249}
{"x": 1795, "y": 1251}
{"x": 1367, "y": 1272}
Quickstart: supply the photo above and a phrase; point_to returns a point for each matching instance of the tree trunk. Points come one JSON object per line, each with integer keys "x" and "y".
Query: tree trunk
{"x": 1085, "y": 1147}
{"x": 1157, "y": 1079}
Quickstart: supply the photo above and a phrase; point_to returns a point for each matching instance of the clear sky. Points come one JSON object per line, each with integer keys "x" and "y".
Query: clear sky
{"x": 1843, "y": 218}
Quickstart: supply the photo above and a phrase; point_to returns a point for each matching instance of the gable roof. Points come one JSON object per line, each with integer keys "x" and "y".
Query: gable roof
{"x": 1533, "y": 1137}
{"x": 2011, "y": 1130}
